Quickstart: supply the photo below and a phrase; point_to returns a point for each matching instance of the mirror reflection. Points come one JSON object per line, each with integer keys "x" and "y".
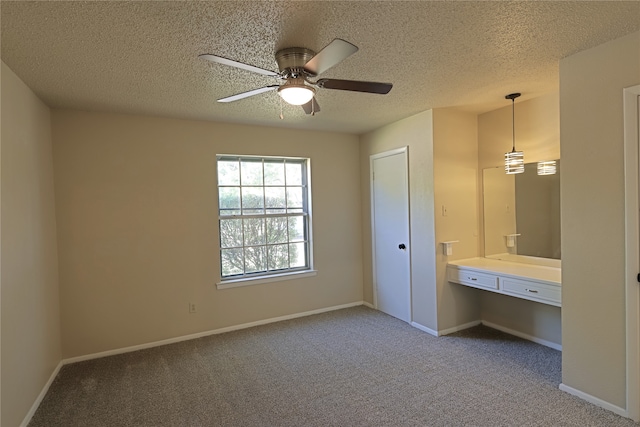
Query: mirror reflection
{"x": 522, "y": 213}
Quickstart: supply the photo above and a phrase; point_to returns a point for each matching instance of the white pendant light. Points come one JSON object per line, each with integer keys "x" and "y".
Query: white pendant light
{"x": 296, "y": 92}
{"x": 547, "y": 167}
{"x": 514, "y": 160}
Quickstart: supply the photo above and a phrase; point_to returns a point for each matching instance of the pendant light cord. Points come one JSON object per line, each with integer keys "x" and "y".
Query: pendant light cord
{"x": 513, "y": 97}
{"x": 513, "y": 124}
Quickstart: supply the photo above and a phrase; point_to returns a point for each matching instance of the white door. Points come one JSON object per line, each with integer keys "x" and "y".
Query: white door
{"x": 390, "y": 229}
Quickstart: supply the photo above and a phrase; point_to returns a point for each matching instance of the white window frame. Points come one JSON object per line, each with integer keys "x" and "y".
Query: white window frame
{"x": 268, "y": 276}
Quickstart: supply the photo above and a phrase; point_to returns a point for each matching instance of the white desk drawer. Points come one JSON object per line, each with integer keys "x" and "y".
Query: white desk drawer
{"x": 531, "y": 290}
{"x": 472, "y": 278}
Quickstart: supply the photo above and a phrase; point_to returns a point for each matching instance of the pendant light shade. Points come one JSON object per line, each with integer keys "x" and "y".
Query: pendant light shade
{"x": 547, "y": 168}
{"x": 514, "y": 160}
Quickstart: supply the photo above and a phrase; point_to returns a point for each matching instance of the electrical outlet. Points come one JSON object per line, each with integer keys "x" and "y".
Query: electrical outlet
{"x": 192, "y": 307}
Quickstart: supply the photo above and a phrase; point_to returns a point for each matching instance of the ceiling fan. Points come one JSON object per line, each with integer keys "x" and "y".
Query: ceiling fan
{"x": 298, "y": 67}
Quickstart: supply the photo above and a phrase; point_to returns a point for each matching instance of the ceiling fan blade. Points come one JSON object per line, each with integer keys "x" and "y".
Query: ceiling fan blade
{"x": 232, "y": 63}
{"x": 311, "y": 107}
{"x": 355, "y": 85}
{"x": 248, "y": 94}
{"x": 330, "y": 55}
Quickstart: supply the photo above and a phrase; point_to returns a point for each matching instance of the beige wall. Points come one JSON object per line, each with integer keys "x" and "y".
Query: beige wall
{"x": 537, "y": 130}
{"x": 436, "y": 176}
{"x": 137, "y": 227}
{"x": 455, "y": 169}
{"x": 30, "y": 307}
{"x": 593, "y": 235}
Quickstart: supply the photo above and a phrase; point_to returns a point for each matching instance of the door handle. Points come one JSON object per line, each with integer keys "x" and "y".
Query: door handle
{"x": 402, "y": 246}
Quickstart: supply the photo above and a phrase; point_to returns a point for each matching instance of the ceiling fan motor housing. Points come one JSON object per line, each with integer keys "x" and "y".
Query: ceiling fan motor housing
{"x": 291, "y": 60}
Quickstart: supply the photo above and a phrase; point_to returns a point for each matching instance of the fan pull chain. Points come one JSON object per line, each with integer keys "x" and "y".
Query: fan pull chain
{"x": 281, "y": 113}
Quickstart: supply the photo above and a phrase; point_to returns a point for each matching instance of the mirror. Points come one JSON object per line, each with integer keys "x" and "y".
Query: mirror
{"x": 521, "y": 213}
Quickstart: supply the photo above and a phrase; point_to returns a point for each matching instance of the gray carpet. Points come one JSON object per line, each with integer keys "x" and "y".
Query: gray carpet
{"x": 352, "y": 367}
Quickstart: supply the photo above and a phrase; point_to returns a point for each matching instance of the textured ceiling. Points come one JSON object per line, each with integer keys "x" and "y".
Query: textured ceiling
{"x": 142, "y": 57}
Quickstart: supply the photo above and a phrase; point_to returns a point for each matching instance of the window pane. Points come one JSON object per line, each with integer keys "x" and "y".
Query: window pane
{"x": 294, "y": 173}
{"x": 254, "y": 231}
{"x": 277, "y": 230}
{"x": 274, "y": 173}
{"x": 275, "y": 197}
{"x": 230, "y": 233}
{"x": 228, "y": 172}
{"x": 253, "y": 198}
{"x": 251, "y": 172}
{"x": 297, "y": 255}
{"x": 255, "y": 259}
{"x": 294, "y": 197}
{"x": 296, "y": 229}
{"x": 229, "y": 198}
{"x": 278, "y": 257}
{"x": 232, "y": 262}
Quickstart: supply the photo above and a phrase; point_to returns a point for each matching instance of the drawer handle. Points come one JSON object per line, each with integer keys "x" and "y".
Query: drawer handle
{"x": 533, "y": 291}
{"x": 472, "y": 278}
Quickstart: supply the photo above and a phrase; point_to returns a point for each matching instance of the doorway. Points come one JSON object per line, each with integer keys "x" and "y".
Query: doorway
{"x": 390, "y": 233}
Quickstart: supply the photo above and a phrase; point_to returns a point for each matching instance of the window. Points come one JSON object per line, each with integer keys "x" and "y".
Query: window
{"x": 264, "y": 216}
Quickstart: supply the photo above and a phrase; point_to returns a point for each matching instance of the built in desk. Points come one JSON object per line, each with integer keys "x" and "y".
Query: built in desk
{"x": 527, "y": 281}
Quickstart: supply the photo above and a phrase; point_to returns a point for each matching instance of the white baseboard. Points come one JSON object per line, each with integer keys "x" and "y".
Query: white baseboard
{"x": 206, "y": 333}
{"x": 368, "y": 304}
{"x": 596, "y": 401}
{"x": 528, "y": 337}
{"x": 445, "y": 331}
{"x": 38, "y": 401}
{"x": 459, "y": 328}
{"x": 424, "y": 328}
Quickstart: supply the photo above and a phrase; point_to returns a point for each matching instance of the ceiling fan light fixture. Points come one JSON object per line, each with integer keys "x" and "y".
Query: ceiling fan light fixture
{"x": 296, "y": 92}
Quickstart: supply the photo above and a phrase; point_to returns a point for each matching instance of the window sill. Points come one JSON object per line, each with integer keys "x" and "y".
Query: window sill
{"x": 235, "y": 283}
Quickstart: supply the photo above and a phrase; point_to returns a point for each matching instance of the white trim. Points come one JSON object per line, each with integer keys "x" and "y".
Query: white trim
{"x": 446, "y": 331}
{"x": 632, "y": 248}
{"x": 527, "y": 337}
{"x": 489, "y": 325}
{"x": 592, "y": 399}
{"x": 459, "y": 327}
{"x": 424, "y": 328}
{"x": 38, "y": 401}
{"x": 206, "y": 333}
{"x": 368, "y": 304}
{"x": 249, "y": 281}
{"x": 389, "y": 153}
{"x": 405, "y": 151}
